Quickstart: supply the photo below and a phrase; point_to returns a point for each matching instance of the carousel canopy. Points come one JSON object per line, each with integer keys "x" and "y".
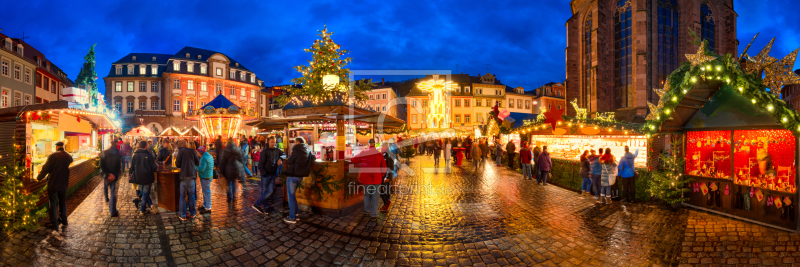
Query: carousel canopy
{"x": 140, "y": 131}
{"x": 171, "y": 131}
{"x": 219, "y": 102}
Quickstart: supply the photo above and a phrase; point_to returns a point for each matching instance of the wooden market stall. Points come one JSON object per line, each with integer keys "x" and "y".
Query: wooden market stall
{"x": 345, "y": 122}
{"x": 35, "y": 129}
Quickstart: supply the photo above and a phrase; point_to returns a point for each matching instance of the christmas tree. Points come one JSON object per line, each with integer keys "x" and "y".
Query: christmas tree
{"x": 668, "y": 183}
{"x": 88, "y": 76}
{"x": 325, "y": 60}
{"x": 18, "y": 209}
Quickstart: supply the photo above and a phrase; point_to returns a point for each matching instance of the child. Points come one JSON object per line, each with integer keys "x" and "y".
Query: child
{"x": 256, "y": 155}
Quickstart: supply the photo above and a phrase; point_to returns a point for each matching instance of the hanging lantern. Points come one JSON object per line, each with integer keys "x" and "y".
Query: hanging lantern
{"x": 330, "y": 81}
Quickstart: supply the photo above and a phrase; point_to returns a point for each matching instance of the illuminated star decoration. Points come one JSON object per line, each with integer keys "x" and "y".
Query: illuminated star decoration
{"x": 780, "y": 74}
{"x": 653, "y": 111}
{"x": 553, "y": 117}
{"x": 437, "y": 106}
{"x": 661, "y": 92}
{"x": 760, "y": 61}
{"x": 701, "y": 56}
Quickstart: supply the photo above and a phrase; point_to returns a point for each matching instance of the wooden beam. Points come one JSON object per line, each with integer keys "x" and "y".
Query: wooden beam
{"x": 695, "y": 98}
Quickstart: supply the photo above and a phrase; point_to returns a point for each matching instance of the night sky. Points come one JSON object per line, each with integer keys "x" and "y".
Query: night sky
{"x": 521, "y": 42}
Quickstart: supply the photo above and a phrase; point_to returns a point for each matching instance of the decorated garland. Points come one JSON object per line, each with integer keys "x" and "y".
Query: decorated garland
{"x": 706, "y": 65}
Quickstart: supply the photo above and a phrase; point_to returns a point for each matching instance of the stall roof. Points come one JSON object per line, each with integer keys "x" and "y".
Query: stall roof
{"x": 727, "y": 108}
{"x": 387, "y": 121}
{"x": 98, "y": 120}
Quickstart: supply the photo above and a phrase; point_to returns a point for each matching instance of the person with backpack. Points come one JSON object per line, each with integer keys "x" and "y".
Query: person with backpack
{"x": 143, "y": 173}
{"x": 268, "y": 161}
{"x": 385, "y": 189}
{"x": 206, "y": 173}
{"x": 371, "y": 172}
{"x": 231, "y": 165}
{"x": 525, "y": 157}
{"x": 300, "y": 162}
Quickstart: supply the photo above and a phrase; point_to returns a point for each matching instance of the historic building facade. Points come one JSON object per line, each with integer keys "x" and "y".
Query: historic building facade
{"x": 519, "y": 101}
{"x": 550, "y": 96}
{"x": 26, "y": 76}
{"x": 383, "y": 99}
{"x": 161, "y": 89}
{"x": 619, "y": 50}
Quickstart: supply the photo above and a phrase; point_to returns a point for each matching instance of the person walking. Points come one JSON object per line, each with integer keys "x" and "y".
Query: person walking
{"x": 218, "y": 149}
{"x": 525, "y": 156}
{"x": 608, "y": 176}
{"x": 206, "y": 173}
{"x": 244, "y": 145}
{"x": 151, "y": 148}
{"x": 595, "y": 171}
{"x": 626, "y": 172}
{"x": 544, "y": 163}
{"x": 498, "y": 152}
{"x": 437, "y": 152}
{"x": 468, "y": 146}
{"x": 586, "y": 185}
{"x": 231, "y": 165}
{"x": 476, "y": 156}
{"x": 448, "y": 149}
{"x": 56, "y": 170}
{"x": 299, "y": 166}
{"x": 385, "y": 188}
{"x": 256, "y": 156}
{"x": 371, "y": 172}
{"x": 143, "y": 173}
{"x": 484, "y": 148}
{"x": 111, "y": 166}
{"x": 269, "y": 159}
{"x": 511, "y": 151}
{"x": 187, "y": 160}
{"x": 536, "y": 152}
{"x": 125, "y": 152}
{"x": 459, "y": 153}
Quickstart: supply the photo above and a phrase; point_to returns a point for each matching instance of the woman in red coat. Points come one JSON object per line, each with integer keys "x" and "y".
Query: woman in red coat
{"x": 459, "y": 153}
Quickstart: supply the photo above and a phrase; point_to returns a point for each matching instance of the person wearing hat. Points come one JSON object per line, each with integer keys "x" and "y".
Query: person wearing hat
{"x": 57, "y": 171}
{"x": 372, "y": 169}
{"x": 206, "y": 173}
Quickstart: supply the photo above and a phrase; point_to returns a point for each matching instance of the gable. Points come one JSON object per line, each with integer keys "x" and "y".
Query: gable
{"x": 727, "y": 108}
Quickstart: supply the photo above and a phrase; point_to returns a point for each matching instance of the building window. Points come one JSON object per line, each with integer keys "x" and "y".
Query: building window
{"x": 242, "y": 92}
{"x": 527, "y": 104}
{"x": 549, "y": 106}
{"x": 414, "y": 118}
{"x": 371, "y": 97}
{"x": 519, "y": 103}
{"x": 384, "y": 96}
{"x": 45, "y": 83}
{"x": 203, "y": 69}
{"x": 467, "y": 103}
{"x": 466, "y": 89}
{"x": 4, "y": 68}
{"x": 478, "y": 102}
{"x": 154, "y": 105}
{"x": 176, "y": 106}
{"x": 190, "y": 104}
{"x": 27, "y": 76}
{"x": 118, "y": 87}
{"x": 242, "y": 75}
{"x": 587, "y": 61}
{"x": 130, "y": 86}
{"x": 232, "y": 75}
{"x": 190, "y": 67}
{"x": 27, "y": 100}
{"x": 130, "y": 69}
{"x": 219, "y": 88}
{"x": 202, "y": 104}
{"x": 119, "y": 68}
{"x": 52, "y": 86}
{"x": 142, "y": 86}
{"x": 233, "y": 91}
{"x": 5, "y": 99}
{"x": 424, "y": 103}
{"x": 190, "y": 85}
{"x": 466, "y": 118}
{"x": 154, "y": 70}
{"x": 117, "y": 106}
{"x": 480, "y": 91}
{"x": 142, "y": 105}
{"x": 458, "y": 118}
{"x": 458, "y": 102}
{"x": 511, "y": 103}
{"x": 176, "y": 84}
{"x": 623, "y": 82}
{"x": 667, "y": 40}
{"x": 559, "y": 107}
{"x": 384, "y": 108}
{"x": 130, "y": 106}
{"x": 203, "y": 86}
{"x": 707, "y": 25}
{"x": 154, "y": 87}
{"x": 252, "y": 79}
{"x": 252, "y": 93}
{"x": 219, "y": 71}
{"x": 142, "y": 70}
{"x": 414, "y": 103}
{"x": 17, "y": 72}
{"x": 176, "y": 66}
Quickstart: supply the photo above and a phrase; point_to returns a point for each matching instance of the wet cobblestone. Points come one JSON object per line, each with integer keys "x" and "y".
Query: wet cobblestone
{"x": 486, "y": 218}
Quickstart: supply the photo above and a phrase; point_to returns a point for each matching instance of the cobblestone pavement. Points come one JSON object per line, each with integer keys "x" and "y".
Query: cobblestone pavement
{"x": 454, "y": 216}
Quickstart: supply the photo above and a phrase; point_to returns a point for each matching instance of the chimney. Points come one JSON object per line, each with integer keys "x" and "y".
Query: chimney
{"x": 381, "y": 81}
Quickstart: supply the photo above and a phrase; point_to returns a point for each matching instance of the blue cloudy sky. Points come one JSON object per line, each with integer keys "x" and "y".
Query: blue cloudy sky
{"x": 521, "y": 42}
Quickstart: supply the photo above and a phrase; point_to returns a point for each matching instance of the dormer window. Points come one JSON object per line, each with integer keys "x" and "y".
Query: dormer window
{"x": 20, "y": 50}
{"x": 199, "y": 57}
{"x": 252, "y": 79}
{"x": 154, "y": 59}
{"x": 8, "y": 44}
{"x": 133, "y": 58}
{"x": 233, "y": 75}
{"x": 39, "y": 61}
{"x": 242, "y": 75}
{"x": 119, "y": 69}
{"x": 237, "y": 64}
{"x": 142, "y": 70}
{"x": 154, "y": 70}
{"x": 190, "y": 67}
{"x": 187, "y": 55}
{"x": 130, "y": 69}
{"x": 203, "y": 68}
{"x": 176, "y": 65}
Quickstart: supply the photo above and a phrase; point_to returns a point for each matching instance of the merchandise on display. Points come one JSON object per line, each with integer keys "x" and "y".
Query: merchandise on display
{"x": 765, "y": 159}
{"x": 708, "y": 154}
{"x": 572, "y": 146}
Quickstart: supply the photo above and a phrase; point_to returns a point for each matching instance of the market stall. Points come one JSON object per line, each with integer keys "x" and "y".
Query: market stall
{"x": 35, "y": 129}
{"x": 170, "y": 132}
{"x": 740, "y": 138}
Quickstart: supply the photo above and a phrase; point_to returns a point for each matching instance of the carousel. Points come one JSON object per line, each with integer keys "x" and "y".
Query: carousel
{"x": 221, "y": 117}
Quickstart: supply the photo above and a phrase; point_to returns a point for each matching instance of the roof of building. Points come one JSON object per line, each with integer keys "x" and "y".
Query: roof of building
{"x": 204, "y": 54}
{"x": 30, "y": 53}
{"x": 143, "y": 58}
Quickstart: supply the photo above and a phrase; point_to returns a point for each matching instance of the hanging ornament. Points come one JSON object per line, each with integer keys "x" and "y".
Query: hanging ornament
{"x": 701, "y": 56}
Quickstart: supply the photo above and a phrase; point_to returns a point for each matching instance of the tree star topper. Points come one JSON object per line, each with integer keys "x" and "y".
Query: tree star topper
{"x": 701, "y": 56}
{"x": 553, "y": 117}
{"x": 437, "y": 108}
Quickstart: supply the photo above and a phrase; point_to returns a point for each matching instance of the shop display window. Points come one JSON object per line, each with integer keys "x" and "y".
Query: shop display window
{"x": 572, "y": 146}
{"x": 708, "y": 154}
{"x": 765, "y": 159}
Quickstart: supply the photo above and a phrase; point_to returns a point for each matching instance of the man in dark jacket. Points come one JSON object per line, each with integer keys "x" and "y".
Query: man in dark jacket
{"x": 218, "y": 149}
{"x": 57, "y": 166}
{"x": 142, "y": 172}
{"x": 544, "y": 164}
{"x": 271, "y": 157}
{"x": 111, "y": 165}
{"x": 511, "y": 150}
{"x": 186, "y": 160}
{"x": 244, "y": 145}
{"x": 231, "y": 166}
{"x": 299, "y": 166}
{"x": 164, "y": 154}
